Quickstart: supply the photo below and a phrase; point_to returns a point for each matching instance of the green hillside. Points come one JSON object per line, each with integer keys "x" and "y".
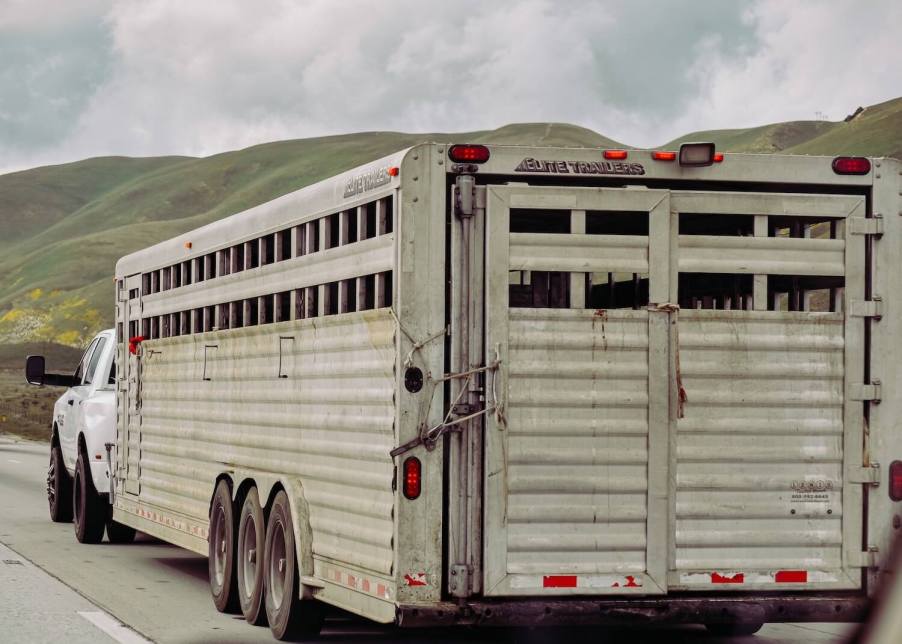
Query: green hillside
{"x": 876, "y": 131}
{"x": 63, "y": 227}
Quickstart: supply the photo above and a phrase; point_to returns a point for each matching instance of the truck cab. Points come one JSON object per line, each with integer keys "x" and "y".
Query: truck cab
{"x": 84, "y": 423}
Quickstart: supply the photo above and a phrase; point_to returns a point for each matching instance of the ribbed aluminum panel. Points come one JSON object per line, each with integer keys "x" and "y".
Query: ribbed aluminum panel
{"x": 329, "y": 423}
{"x": 759, "y": 451}
{"x": 577, "y": 436}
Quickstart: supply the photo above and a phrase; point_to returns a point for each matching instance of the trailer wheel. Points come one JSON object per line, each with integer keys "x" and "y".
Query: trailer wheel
{"x": 221, "y": 554}
{"x": 251, "y": 544}
{"x": 90, "y": 509}
{"x": 734, "y": 629}
{"x": 289, "y": 616}
{"x": 59, "y": 487}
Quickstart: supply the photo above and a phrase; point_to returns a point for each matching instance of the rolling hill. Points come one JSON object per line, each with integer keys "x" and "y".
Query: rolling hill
{"x": 63, "y": 227}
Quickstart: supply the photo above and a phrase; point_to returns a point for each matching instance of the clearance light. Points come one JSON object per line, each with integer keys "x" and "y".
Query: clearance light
{"x": 412, "y": 470}
{"x": 718, "y": 157}
{"x": 468, "y": 153}
{"x": 895, "y": 481}
{"x": 615, "y": 155}
{"x": 393, "y": 171}
{"x": 697, "y": 154}
{"x": 851, "y": 165}
{"x": 664, "y": 156}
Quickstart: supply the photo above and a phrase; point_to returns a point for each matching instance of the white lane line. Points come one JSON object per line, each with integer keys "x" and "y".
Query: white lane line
{"x": 12, "y": 460}
{"x": 113, "y": 627}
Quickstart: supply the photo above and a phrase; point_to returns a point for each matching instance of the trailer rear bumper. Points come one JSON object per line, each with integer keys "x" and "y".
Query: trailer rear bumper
{"x": 695, "y": 609}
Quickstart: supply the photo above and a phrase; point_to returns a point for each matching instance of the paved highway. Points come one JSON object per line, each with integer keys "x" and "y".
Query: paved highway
{"x": 161, "y": 591}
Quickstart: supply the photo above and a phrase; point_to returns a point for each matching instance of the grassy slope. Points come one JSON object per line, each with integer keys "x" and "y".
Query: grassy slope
{"x": 875, "y": 132}
{"x": 62, "y": 228}
{"x": 57, "y": 282}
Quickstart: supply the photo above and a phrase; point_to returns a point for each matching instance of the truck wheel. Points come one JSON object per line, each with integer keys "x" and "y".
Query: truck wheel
{"x": 251, "y": 540}
{"x": 734, "y": 629}
{"x": 290, "y": 617}
{"x": 90, "y": 509}
{"x": 221, "y": 555}
{"x": 118, "y": 532}
{"x": 59, "y": 487}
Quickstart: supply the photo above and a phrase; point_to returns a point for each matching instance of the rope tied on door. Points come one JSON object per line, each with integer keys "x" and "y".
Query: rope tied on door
{"x": 674, "y": 310}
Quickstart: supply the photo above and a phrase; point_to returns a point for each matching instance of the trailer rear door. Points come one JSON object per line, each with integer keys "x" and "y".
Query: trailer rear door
{"x": 642, "y": 448}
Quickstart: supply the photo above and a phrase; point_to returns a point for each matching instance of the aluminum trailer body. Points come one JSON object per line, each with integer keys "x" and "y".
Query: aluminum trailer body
{"x": 615, "y": 390}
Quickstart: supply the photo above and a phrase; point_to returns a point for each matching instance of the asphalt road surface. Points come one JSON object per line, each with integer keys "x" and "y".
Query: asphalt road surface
{"x": 161, "y": 592}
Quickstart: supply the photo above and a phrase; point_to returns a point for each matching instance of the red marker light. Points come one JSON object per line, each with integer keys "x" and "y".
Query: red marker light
{"x": 615, "y": 155}
{"x": 394, "y": 172}
{"x": 718, "y": 157}
{"x": 851, "y": 165}
{"x": 468, "y": 153}
{"x": 895, "y": 480}
{"x": 664, "y": 156}
{"x": 412, "y": 470}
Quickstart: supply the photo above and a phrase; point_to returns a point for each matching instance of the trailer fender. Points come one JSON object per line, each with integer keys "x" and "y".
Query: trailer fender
{"x": 303, "y": 535}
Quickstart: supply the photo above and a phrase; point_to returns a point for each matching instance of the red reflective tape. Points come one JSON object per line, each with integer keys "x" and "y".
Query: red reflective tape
{"x": 559, "y": 581}
{"x": 791, "y": 577}
{"x": 631, "y": 582}
{"x": 717, "y": 578}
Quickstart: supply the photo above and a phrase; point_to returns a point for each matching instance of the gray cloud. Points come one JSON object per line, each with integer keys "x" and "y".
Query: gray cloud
{"x": 168, "y": 77}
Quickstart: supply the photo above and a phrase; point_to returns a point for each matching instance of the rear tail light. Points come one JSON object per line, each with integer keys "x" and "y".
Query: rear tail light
{"x": 468, "y": 153}
{"x": 697, "y": 154}
{"x": 895, "y": 481}
{"x": 664, "y": 156}
{"x": 615, "y": 155}
{"x": 851, "y": 165}
{"x": 413, "y": 471}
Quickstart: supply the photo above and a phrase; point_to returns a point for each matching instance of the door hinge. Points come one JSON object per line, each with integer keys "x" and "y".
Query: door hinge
{"x": 459, "y": 581}
{"x": 864, "y": 559}
{"x": 866, "y": 474}
{"x": 861, "y": 391}
{"x": 866, "y": 225}
{"x": 872, "y": 308}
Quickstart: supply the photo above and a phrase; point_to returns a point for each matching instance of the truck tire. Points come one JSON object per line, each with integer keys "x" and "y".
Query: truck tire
{"x": 59, "y": 487}
{"x": 734, "y": 629}
{"x": 118, "y": 532}
{"x": 290, "y": 617}
{"x": 221, "y": 554}
{"x": 90, "y": 509}
{"x": 251, "y": 543}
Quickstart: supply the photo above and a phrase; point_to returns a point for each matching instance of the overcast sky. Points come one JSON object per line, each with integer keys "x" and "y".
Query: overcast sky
{"x": 82, "y": 78}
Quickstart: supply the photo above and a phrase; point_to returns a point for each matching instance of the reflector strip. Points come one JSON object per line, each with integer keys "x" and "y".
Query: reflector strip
{"x": 729, "y": 578}
{"x": 559, "y": 581}
{"x": 791, "y": 577}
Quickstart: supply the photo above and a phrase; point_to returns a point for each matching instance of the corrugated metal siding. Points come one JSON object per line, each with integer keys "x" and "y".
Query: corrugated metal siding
{"x": 760, "y": 448}
{"x": 577, "y": 440}
{"x": 329, "y": 423}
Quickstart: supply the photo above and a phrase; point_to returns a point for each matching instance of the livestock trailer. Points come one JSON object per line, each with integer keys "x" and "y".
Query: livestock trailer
{"x": 497, "y": 385}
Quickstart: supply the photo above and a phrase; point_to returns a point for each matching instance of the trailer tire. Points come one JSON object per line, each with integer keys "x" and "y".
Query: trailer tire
{"x": 290, "y": 617}
{"x": 118, "y": 532}
{"x": 90, "y": 509}
{"x": 734, "y": 628}
{"x": 221, "y": 553}
{"x": 251, "y": 545}
{"x": 59, "y": 487}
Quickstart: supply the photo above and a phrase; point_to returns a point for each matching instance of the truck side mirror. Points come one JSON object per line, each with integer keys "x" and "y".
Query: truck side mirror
{"x": 34, "y": 370}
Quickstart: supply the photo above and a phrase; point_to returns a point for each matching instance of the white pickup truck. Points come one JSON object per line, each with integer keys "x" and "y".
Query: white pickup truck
{"x": 84, "y": 423}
